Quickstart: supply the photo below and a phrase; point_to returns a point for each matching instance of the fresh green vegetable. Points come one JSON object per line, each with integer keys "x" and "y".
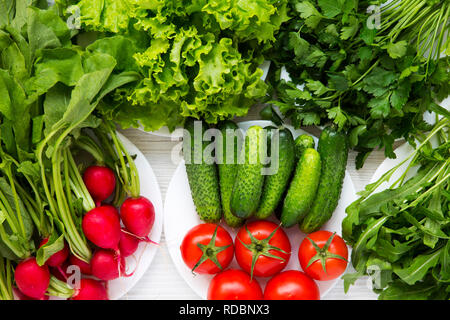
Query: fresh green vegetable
{"x": 6, "y": 276}
{"x": 400, "y": 236}
{"x": 50, "y": 91}
{"x": 198, "y": 59}
{"x": 372, "y": 83}
{"x": 275, "y": 184}
{"x": 202, "y": 174}
{"x": 333, "y": 150}
{"x": 17, "y": 227}
{"x": 249, "y": 182}
{"x": 303, "y": 188}
{"x": 227, "y": 151}
{"x": 303, "y": 142}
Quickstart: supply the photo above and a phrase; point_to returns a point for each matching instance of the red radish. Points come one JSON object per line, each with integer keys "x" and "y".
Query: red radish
{"x": 100, "y": 182}
{"x": 58, "y": 258}
{"x": 85, "y": 267}
{"x": 32, "y": 279}
{"x": 128, "y": 244}
{"x": 90, "y": 289}
{"x": 107, "y": 265}
{"x": 60, "y": 272}
{"x": 101, "y": 226}
{"x": 21, "y": 296}
{"x": 138, "y": 216}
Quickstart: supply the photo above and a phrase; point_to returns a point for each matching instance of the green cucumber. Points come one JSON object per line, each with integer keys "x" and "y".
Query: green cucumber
{"x": 249, "y": 182}
{"x": 227, "y": 170}
{"x": 303, "y": 187}
{"x": 333, "y": 150}
{"x": 276, "y": 184}
{"x": 303, "y": 142}
{"x": 202, "y": 175}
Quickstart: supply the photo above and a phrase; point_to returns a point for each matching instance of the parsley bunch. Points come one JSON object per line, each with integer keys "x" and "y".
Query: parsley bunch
{"x": 370, "y": 79}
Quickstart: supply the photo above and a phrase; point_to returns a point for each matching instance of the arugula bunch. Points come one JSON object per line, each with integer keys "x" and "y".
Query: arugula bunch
{"x": 197, "y": 58}
{"x": 373, "y": 83}
{"x": 401, "y": 236}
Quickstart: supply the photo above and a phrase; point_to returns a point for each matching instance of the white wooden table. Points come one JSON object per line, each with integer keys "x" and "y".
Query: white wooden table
{"x": 162, "y": 281}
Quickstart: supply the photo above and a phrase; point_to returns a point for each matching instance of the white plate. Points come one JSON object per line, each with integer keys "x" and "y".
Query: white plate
{"x": 141, "y": 260}
{"x": 177, "y": 134}
{"x": 180, "y": 216}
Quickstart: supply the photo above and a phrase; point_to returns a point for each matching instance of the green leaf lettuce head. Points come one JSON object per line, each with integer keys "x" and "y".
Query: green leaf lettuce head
{"x": 197, "y": 59}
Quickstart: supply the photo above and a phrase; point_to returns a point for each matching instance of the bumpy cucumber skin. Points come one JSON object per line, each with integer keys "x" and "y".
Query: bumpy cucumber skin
{"x": 333, "y": 150}
{"x": 249, "y": 182}
{"x": 204, "y": 182}
{"x": 303, "y": 188}
{"x": 227, "y": 174}
{"x": 303, "y": 142}
{"x": 275, "y": 185}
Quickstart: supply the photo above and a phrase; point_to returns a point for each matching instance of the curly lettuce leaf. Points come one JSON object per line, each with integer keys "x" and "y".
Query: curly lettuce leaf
{"x": 106, "y": 15}
{"x": 248, "y": 19}
{"x": 197, "y": 59}
{"x": 205, "y": 79}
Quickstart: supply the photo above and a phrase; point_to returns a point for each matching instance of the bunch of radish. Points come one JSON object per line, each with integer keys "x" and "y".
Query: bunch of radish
{"x": 114, "y": 221}
{"x": 102, "y": 225}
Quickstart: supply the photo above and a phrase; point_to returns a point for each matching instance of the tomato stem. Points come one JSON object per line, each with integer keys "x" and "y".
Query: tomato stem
{"x": 323, "y": 253}
{"x": 210, "y": 252}
{"x": 261, "y": 248}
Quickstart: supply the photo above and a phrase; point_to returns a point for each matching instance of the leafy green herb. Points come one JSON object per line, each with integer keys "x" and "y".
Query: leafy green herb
{"x": 373, "y": 83}
{"x": 50, "y": 91}
{"x": 402, "y": 234}
{"x": 6, "y": 276}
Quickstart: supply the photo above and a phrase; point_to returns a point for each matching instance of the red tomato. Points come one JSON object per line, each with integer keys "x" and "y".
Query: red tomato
{"x": 327, "y": 247}
{"x": 291, "y": 285}
{"x": 234, "y": 284}
{"x": 265, "y": 240}
{"x": 206, "y": 247}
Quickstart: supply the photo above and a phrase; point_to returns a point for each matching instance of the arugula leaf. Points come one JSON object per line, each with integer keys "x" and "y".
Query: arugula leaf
{"x": 401, "y": 291}
{"x": 418, "y": 267}
{"x": 403, "y": 229}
